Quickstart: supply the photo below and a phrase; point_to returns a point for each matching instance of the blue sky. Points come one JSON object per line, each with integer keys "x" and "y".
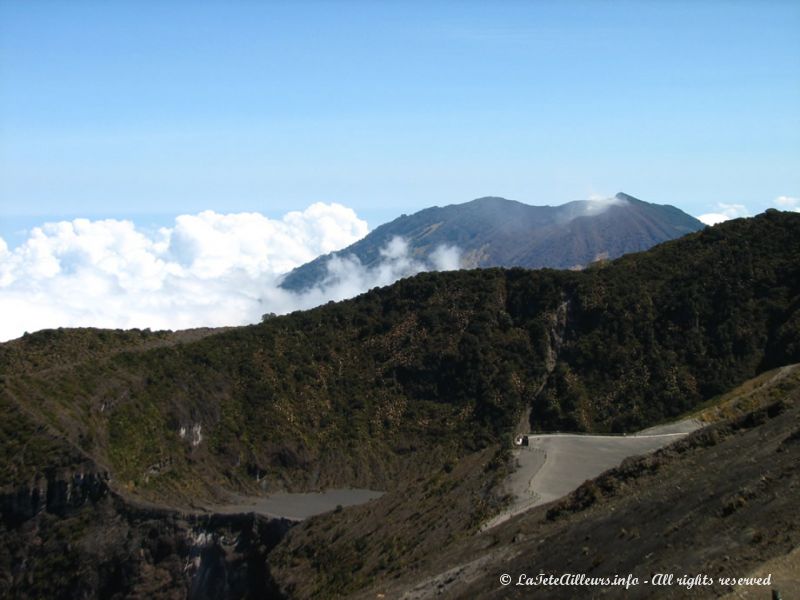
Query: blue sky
{"x": 147, "y": 110}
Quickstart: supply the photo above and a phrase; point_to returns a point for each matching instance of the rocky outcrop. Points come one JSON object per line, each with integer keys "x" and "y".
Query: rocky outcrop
{"x": 71, "y": 536}
{"x": 227, "y": 557}
{"x": 60, "y": 494}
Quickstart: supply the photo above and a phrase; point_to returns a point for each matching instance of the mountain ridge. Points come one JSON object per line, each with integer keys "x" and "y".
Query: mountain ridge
{"x": 492, "y": 231}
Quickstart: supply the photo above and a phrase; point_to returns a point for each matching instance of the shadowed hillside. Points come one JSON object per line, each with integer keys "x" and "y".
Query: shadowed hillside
{"x": 720, "y": 501}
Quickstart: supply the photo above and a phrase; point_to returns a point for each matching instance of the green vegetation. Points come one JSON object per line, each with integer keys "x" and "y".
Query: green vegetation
{"x": 336, "y": 554}
{"x": 655, "y": 333}
{"x": 750, "y": 396}
{"x": 27, "y": 449}
{"x": 415, "y": 389}
{"x": 406, "y": 378}
{"x": 59, "y": 348}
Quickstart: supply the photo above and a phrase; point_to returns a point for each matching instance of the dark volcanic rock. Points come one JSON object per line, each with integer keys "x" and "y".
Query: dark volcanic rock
{"x": 74, "y": 538}
{"x": 58, "y": 495}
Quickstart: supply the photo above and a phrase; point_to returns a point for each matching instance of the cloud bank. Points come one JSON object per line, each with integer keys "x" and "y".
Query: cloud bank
{"x": 725, "y": 212}
{"x": 788, "y": 203}
{"x": 208, "y": 270}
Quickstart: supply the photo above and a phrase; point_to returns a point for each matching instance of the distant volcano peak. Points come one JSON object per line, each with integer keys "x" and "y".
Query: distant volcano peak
{"x": 626, "y": 197}
{"x": 497, "y": 232}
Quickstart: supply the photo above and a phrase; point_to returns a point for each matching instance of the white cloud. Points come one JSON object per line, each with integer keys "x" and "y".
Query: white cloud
{"x": 595, "y": 197}
{"x": 712, "y": 218}
{"x": 209, "y": 269}
{"x": 788, "y": 203}
{"x": 598, "y": 204}
{"x": 446, "y": 258}
{"x": 725, "y": 213}
{"x": 347, "y": 276}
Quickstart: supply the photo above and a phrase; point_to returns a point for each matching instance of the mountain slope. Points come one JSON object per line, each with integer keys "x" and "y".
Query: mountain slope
{"x": 495, "y": 232}
{"x": 721, "y": 502}
{"x": 399, "y": 389}
{"x": 352, "y": 393}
